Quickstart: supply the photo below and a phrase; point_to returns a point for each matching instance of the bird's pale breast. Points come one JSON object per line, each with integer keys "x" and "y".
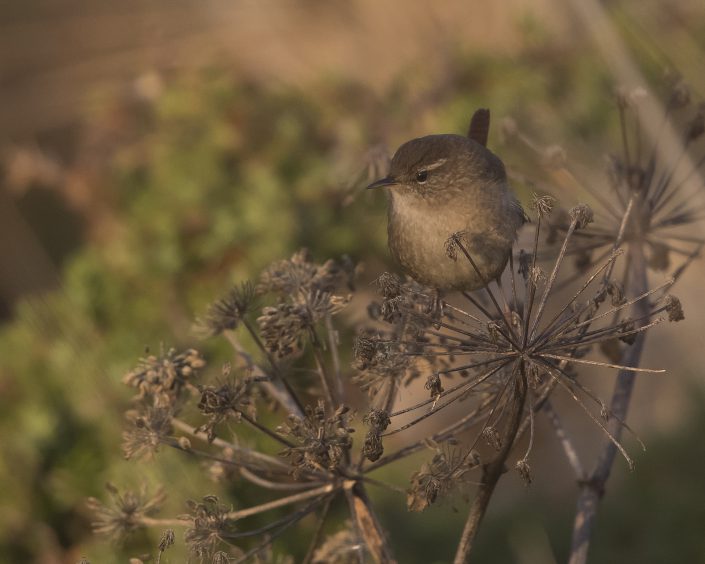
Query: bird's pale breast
{"x": 418, "y": 231}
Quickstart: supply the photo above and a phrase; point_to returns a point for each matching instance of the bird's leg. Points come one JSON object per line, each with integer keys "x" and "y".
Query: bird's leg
{"x": 436, "y": 306}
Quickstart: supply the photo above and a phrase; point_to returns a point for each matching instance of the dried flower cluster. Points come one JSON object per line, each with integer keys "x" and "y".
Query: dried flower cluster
{"x": 508, "y": 349}
{"x": 279, "y": 416}
{"x": 126, "y": 513}
{"x": 162, "y": 378}
{"x": 321, "y": 442}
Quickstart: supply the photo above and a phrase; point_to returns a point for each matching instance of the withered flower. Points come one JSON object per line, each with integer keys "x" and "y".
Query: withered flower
{"x": 146, "y": 431}
{"x": 228, "y": 399}
{"x": 161, "y": 379}
{"x": 378, "y": 361}
{"x": 323, "y": 440}
{"x": 378, "y": 421}
{"x": 210, "y": 525}
{"x": 299, "y": 275}
{"x": 284, "y": 325}
{"x": 446, "y": 471}
{"x": 228, "y": 312}
{"x": 126, "y": 513}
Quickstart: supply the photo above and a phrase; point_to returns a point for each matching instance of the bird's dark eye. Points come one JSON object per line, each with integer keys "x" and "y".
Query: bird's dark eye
{"x": 422, "y": 176}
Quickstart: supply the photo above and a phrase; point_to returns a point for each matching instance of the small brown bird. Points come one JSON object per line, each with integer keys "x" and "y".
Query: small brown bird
{"x": 444, "y": 184}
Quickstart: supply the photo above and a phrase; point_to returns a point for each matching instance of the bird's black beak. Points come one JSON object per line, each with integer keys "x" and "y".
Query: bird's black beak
{"x": 387, "y": 181}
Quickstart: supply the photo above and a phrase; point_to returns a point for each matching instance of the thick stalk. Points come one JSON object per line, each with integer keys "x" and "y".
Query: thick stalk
{"x": 366, "y": 522}
{"x": 593, "y": 487}
{"x": 492, "y": 472}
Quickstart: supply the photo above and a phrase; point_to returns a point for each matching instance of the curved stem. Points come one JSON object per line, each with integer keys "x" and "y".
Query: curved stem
{"x": 275, "y": 367}
{"x": 492, "y": 472}
{"x": 592, "y": 489}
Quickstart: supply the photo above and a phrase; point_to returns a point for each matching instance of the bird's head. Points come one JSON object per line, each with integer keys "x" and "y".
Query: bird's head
{"x": 439, "y": 166}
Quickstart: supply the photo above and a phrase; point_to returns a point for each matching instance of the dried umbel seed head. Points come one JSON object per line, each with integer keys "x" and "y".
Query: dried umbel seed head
{"x": 365, "y": 350}
{"x": 543, "y": 205}
{"x": 522, "y": 466}
{"x": 161, "y": 378}
{"x": 146, "y": 431}
{"x": 126, "y": 513}
{"x": 378, "y": 360}
{"x": 378, "y": 421}
{"x": 674, "y": 308}
{"x": 227, "y": 400}
{"x": 454, "y": 244}
{"x": 167, "y": 539}
{"x": 446, "y": 471}
{"x": 373, "y": 448}
{"x": 227, "y": 312}
{"x": 582, "y": 215}
{"x": 323, "y": 440}
{"x": 389, "y": 285}
{"x": 210, "y": 524}
{"x": 434, "y": 385}
{"x": 298, "y": 276}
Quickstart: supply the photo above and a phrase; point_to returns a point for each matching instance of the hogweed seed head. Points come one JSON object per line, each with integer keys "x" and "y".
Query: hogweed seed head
{"x": 227, "y": 312}
{"x": 542, "y": 204}
{"x": 161, "y": 379}
{"x": 147, "y": 430}
{"x": 126, "y": 513}
{"x": 582, "y": 215}
{"x": 500, "y": 349}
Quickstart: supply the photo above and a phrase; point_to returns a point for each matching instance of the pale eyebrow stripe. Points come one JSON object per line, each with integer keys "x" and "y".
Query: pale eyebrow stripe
{"x": 434, "y": 165}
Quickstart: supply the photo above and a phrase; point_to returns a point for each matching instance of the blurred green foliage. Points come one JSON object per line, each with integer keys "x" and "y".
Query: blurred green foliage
{"x": 210, "y": 181}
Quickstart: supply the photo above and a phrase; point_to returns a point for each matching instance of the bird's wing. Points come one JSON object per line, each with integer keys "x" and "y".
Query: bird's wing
{"x": 479, "y": 128}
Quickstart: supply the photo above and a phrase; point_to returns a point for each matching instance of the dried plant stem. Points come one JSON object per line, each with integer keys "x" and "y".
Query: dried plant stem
{"x": 335, "y": 357}
{"x": 275, "y": 367}
{"x": 593, "y": 487}
{"x": 315, "y": 492}
{"x": 282, "y": 525}
{"x": 316, "y": 539}
{"x": 162, "y": 523}
{"x": 568, "y": 448}
{"x": 317, "y": 349}
{"x": 250, "y": 476}
{"x": 367, "y": 524}
{"x": 244, "y": 453}
{"x": 492, "y": 472}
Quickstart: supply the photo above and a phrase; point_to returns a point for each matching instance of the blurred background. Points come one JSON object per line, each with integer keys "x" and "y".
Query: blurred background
{"x": 152, "y": 153}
